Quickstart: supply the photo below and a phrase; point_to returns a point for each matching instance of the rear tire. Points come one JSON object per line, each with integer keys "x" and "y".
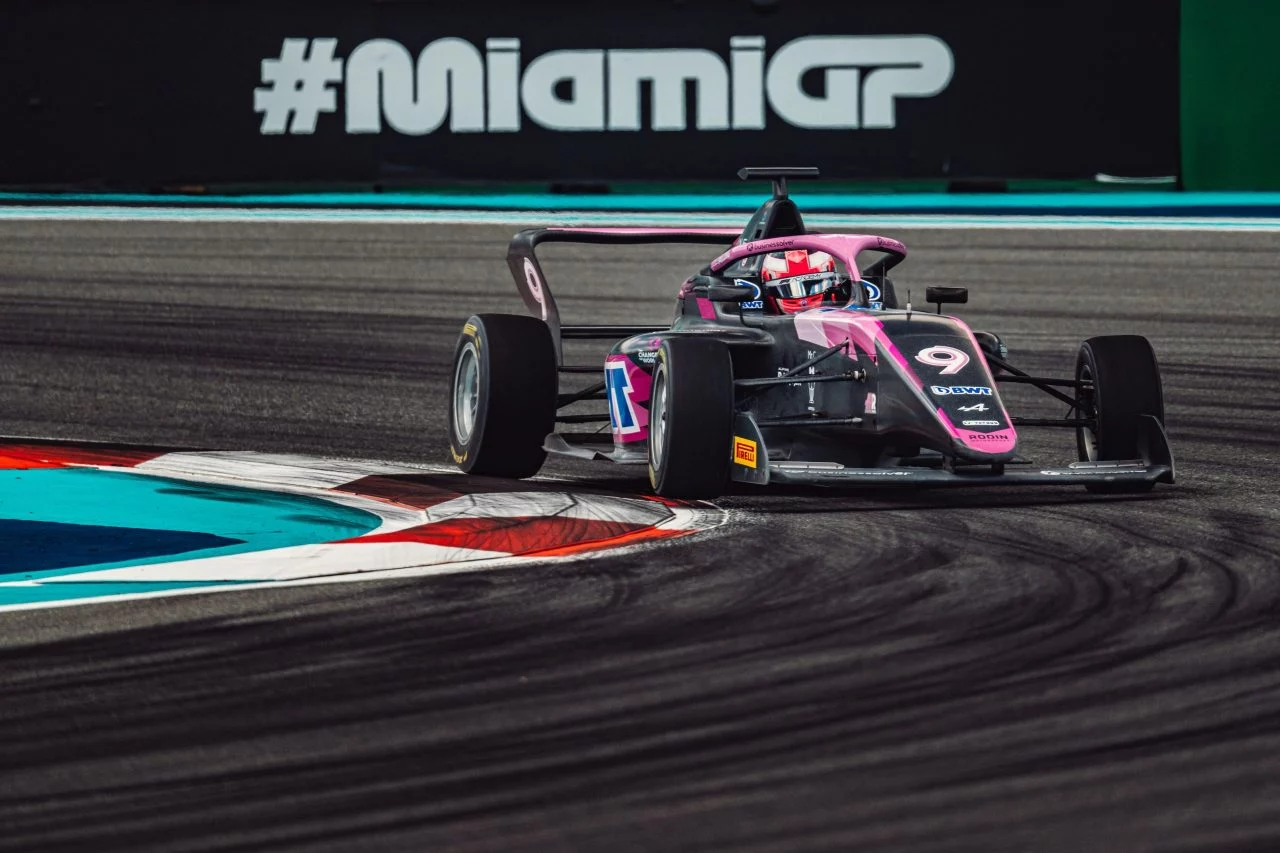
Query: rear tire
{"x": 503, "y": 398}
{"x": 1126, "y": 386}
{"x": 691, "y": 418}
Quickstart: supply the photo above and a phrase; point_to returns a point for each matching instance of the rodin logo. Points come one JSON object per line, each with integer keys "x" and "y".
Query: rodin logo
{"x": 496, "y": 90}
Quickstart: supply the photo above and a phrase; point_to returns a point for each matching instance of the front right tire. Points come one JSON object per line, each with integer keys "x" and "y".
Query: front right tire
{"x": 503, "y": 399}
{"x": 691, "y": 418}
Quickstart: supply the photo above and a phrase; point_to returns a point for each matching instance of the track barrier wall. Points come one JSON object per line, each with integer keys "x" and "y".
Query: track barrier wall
{"x": 148, "y": 94}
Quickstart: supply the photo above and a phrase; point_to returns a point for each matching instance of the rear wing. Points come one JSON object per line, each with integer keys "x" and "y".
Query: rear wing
{"x": 532, "y": 283}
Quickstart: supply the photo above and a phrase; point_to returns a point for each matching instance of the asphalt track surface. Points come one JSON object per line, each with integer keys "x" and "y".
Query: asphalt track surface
{"x": 988, "y": 670}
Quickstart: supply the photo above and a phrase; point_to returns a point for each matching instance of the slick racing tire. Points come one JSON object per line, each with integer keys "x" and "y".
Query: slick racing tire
{"x": 1126, "y": 386}
{"x": 691, "y": 418}
{"x": 503, "y": 397}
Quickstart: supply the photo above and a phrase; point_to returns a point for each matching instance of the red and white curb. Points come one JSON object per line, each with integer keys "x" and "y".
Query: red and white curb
{"x": 433, "y": 520}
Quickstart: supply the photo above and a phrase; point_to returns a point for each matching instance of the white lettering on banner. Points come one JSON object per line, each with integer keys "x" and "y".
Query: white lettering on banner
{"x": 449, "y": 82}
{"x": 746, "y": 60}
{"x": 297, "y": 86}
{"x": 666, "y": 71}
{"x": 503, "y": 60}
{"x": 583, "y": 70}
{"x": 854, "y": 83}
{"x": 566, "y": 90}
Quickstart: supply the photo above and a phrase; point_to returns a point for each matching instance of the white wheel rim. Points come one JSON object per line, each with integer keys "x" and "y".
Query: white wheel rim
{"x": 658, "y": 416}
{"x": 466, "y": 392}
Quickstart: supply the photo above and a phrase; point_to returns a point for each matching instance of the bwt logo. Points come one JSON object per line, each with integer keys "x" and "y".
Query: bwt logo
{"x": 597, "y": 90}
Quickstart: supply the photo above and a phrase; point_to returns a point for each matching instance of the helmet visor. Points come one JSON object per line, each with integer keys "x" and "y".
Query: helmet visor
{"x": 809, "y": 284}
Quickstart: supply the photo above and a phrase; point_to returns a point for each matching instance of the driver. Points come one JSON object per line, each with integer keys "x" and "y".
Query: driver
{"x": 798, "y": 280}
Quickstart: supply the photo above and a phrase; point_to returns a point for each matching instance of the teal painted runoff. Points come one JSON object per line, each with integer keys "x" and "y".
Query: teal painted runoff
{"x": 883, "y": 223}
{"x": 1135, "y": 202}
{"x": 256, "y": 520}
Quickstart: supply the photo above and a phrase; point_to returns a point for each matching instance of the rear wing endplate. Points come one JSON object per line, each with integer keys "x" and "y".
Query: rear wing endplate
{"x": 532, "y": 283}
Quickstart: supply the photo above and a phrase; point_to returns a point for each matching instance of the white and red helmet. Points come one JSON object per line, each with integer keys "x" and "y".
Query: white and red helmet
{"x": 798, "y": 279}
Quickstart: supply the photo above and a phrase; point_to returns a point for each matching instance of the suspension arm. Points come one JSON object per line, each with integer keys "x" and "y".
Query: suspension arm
{"x": 1023, "y": 376}
{"x": 591, "y": 392}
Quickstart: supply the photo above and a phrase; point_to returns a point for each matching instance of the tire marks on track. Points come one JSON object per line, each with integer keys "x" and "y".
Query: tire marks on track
{"x": 997, "y": 670}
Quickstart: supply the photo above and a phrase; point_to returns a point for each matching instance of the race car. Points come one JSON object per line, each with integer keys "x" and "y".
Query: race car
{"x": 790, "y": 360}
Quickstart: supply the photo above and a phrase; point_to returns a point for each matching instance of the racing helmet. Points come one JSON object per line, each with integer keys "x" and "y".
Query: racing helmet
{"x": 797, "y": 280}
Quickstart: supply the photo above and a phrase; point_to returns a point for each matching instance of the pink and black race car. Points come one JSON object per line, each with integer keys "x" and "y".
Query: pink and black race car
{"x": 780, "y": 368}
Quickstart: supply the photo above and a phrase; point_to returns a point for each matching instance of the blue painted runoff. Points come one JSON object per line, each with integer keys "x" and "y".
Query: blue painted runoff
{"x": 56, "y": 522}
{"x": 1153, "y": 203}
{"x": 37, "y": 546}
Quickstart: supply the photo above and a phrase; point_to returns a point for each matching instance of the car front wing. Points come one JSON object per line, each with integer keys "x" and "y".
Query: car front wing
{"x": 1155, "y": 466}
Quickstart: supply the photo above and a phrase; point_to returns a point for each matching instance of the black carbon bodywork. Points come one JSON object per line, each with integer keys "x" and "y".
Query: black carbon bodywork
{"x": 861, "y": 407}
{"x": 857, "y": 392}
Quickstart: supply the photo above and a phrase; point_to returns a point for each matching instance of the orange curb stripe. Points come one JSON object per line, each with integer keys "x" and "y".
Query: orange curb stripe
{"x": 648, "y": 534}
{"x": 518, "y": 535}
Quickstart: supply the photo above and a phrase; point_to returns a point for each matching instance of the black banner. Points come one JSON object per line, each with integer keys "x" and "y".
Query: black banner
{"x": 142, "y": 93}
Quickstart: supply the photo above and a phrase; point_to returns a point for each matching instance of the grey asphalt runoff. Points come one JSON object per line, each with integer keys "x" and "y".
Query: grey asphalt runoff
{"x": 1003, "y": 669}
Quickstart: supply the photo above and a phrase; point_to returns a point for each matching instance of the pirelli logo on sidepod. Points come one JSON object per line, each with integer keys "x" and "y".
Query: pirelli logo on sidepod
{"x": 744, "y": 451}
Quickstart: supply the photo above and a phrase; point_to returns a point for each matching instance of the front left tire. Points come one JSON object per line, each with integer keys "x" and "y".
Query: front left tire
{"x": 1126, "y": 387}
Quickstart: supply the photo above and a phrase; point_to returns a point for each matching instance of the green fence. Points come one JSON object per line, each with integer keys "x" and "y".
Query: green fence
{"x": 1230, "y": 94}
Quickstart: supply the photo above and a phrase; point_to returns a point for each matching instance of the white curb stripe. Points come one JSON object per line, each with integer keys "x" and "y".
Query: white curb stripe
{"x": 295, "y": 563}
{"x": 355, "y": 559}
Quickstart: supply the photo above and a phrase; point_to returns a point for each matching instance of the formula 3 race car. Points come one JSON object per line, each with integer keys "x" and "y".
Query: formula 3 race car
{"x": 764, "y": 377}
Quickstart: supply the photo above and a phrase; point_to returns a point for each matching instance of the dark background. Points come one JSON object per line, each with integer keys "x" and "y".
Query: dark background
{"x": 153, "y": 93}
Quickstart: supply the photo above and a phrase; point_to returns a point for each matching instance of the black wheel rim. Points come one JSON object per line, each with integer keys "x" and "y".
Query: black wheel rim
{"x": 1087, "y": 408}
